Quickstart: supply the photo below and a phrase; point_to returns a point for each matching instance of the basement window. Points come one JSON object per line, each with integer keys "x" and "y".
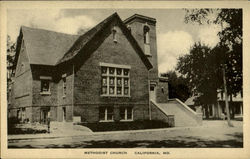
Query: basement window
{"x": 106, "y": 114}
{"x": 126, "y": 114}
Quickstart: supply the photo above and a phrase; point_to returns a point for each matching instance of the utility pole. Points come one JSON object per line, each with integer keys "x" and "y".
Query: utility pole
{"x": 226, "y": 97}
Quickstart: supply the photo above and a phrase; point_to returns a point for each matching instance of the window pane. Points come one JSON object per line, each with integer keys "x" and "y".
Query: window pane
{"x": 129, "y": 113}
{"x": 102, "y": 113}
{"x": 122, "y": 113}
{"x": 111, "y": 90}
{"x": 110, "y": 113}
{"x": 44, "y": 85}
{"x": 152, "y": 88}
{"x": 119, "y": 81}
{"x": 110, "y": 117}
{"x": 104, "y": 90}
{"x": 111, "y": 81}
{"x": 126, "y": 72}
{"x": 104, "y": 70}
{"x": 64, "y": 86}
{"x": 125, "y": 91}
{"x": 125, "y": 81}
{"x": 111, "y": 70}
{"x": 119, "y": 90}
{"x": 119, "y": 71}
{"x": 104, "y": 81}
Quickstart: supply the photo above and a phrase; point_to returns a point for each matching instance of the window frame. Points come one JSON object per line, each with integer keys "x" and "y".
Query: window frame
{"x": 126, "y": 114}
{"x": 108, "y": 86}
{"x": 106, "y": 113}
{"x": 64, "y": 85}
{"x": 114, "y": 33}
{"x": 43, "y": 79}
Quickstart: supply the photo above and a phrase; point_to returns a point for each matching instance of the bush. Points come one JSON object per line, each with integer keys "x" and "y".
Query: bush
{"x": 134, "y": 125}
{"x": 12, "y": 128}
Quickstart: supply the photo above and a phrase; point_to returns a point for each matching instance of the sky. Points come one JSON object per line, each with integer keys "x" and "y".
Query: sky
{"x": 174, "y": 37}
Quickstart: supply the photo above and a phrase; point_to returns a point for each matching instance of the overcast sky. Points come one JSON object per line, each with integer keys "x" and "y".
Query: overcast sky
{"x": 174, "y": 37}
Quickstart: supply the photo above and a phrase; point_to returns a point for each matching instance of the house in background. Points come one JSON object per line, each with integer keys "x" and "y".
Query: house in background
{"x": 108, "y": 74}
{"x": 219, "y": 111}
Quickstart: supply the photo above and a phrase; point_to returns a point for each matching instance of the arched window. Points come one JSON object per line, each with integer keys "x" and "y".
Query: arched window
{"x": 146, "y": 39}
{"x": 114, "y": 32}
{"x": 146, "y": 33}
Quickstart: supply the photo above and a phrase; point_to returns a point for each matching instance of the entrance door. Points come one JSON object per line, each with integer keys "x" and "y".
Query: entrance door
{"x": 64, "y": 114}
{"x": 152, "y": 93}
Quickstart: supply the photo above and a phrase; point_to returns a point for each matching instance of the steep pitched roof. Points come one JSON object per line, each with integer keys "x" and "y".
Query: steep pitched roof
{"x": 52, "y": 48}
{"x": 85, "y": 38}
{"x": 46, "y": 47}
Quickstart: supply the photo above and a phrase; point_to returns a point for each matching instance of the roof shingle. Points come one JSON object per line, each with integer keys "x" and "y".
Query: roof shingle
{"x": 46, "y": 47}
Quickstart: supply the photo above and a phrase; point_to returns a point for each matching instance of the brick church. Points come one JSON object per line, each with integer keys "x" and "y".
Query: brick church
{"x": 108, "y": 74}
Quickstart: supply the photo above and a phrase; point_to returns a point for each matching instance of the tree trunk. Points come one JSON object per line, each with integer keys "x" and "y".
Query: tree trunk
{"x": 226, "y": 97}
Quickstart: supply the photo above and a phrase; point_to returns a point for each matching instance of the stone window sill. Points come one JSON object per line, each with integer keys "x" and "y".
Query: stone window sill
{"x": 45, "y": 93}
{"x": 126, "y": 96}
{"x": 129, "y": 120}
{"x": 105, "y": 121}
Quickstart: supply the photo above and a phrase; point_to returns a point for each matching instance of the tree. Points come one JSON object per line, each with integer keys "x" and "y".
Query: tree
{"x": 178, "y": 87}
{"x": 11, "y": 51}
{"x": 201, "y": 69}
{"x": 229, "y": 48}
{"x": 230, "y": 35}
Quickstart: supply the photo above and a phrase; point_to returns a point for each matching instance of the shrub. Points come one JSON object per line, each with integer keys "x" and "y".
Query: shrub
{"x": 134, "y": 125}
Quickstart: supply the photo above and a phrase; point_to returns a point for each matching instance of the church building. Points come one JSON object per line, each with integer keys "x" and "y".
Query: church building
{"x": 108, "y": 74}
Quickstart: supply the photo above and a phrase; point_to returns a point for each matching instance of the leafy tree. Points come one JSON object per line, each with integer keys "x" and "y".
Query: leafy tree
{"x": 11, "y": 50}
{"x": 178, "y": 87}
{"x": 230, "y": 45}
{"x": 201, "y": 69}
{"x": 226, "y": 55}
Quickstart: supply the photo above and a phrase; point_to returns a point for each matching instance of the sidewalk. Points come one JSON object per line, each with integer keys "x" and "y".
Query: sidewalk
{"x": 77, "y": 133}
{"x": 63, "y": 130}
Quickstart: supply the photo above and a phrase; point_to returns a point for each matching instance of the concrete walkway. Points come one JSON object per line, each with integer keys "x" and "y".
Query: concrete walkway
{"x": 210, "y": 134}
{"x": 62, "y": 130}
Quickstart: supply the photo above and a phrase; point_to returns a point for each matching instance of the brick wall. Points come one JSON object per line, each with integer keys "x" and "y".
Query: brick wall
{"x": 87, "y": 90}
{"x": 21, "y": 94}
{"x": 137, "y": 31}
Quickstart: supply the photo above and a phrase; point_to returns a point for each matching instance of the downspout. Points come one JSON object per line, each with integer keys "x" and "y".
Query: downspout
{"x": 149, "y": 106}
{"x": 73, "y": 78}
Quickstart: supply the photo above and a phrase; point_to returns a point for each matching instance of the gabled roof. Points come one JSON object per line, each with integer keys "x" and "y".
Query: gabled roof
{"x": 85, "y": 38}
{"x": 46, "y": 47}
{"x": 52, "y": 48}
